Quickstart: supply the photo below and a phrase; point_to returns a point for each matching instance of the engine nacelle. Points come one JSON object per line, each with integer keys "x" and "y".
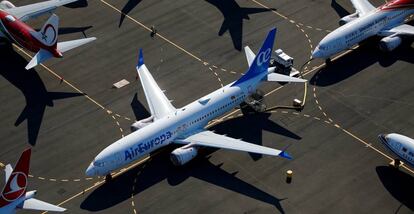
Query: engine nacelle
{"x": 348, "y": 18}
{"x": 6, "y": 5}
{"x": 183, "y": 155}
{"x": 142, "y": 123}
{"x": 390, "y": 43}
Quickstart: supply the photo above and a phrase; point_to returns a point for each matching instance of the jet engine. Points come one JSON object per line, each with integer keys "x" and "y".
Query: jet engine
{"x": 389, "y": 43}
{"x": 142, "y": 123}
{"x": 183, "y": 155}
{"x": 348, "y": 18}
{"x": 6, "y": 5}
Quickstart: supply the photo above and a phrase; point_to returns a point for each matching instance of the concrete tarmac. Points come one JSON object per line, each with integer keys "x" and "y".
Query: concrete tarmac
{"x": 339, "y": 165}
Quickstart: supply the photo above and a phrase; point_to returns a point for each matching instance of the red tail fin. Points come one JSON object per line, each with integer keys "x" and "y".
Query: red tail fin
{"x": 17, "y": 183}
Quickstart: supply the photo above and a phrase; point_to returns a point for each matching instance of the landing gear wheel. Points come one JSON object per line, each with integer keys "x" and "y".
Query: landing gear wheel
{"x": 108, "y": 178}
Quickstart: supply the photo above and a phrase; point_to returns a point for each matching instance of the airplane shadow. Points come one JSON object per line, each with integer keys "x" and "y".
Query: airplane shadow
{"x": 159, "y": 169}
{"x": 357, "y": 60}
{"x": 139, "y": 109}
{"x": 399, "y": 184}
{"x": 339, "y": 9}
{"x": 129, "y": 6}
{"x": 249, "y": 128}
{"x": 69, "y": 30}
{"x": 233, "y": 19}
{"x": 77, "y": 4}
{"x": 29, "y": 83}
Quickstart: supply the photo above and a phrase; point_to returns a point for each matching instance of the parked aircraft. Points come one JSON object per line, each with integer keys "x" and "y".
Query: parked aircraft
{"x": 399, "y": 145}
{"x": 43, "y": 42}
{"x": 185, "y": 125}
{"x": 385, "y": 21}
{"x": 15, "y": 196}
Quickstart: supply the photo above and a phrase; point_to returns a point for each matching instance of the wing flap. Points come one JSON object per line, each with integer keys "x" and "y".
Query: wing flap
{"x": 210, "y": 139}
{"x": 362, "y": 6}
{"x": 35, "y": 204}
{"x": 33, "y": 10}
{"x": 158, "y": 103}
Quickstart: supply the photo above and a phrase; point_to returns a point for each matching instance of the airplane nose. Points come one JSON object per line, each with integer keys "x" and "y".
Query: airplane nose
{"x": 90, "y": 171}
{"x": 316, "y": 53}
{"x": 383, "y": 138}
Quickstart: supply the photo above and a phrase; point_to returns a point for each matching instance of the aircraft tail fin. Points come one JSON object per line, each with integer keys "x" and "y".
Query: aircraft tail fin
{"x": 17, "y": 181}
{"x": 260, "y": 64}
{"x": 48, "y": 35}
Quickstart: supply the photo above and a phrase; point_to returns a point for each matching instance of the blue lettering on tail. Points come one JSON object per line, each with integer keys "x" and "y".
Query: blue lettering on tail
{"x": 261, "y": 61}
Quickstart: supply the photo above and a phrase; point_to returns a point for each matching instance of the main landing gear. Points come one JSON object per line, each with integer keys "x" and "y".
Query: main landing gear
{"x": 108, "y": 178}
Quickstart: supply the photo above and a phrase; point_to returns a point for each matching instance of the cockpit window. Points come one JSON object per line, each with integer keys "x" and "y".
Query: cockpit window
{"x": 10, "y": 18}
{"x": 98, "y": 163}
{"x": 322, "y": 47}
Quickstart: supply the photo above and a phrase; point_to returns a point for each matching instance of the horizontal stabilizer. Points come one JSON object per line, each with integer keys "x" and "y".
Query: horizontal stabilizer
{"x": 8, "y": 170}
{"x": 249, "y": 55}
{"x": 275, "y": 77}
{"x": 35, "y": 204}
{"x": 40, "y": 57}
{"x": 69, "y": 45}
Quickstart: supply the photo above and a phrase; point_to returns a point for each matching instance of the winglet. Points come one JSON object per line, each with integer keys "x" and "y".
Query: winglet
{"x": 284, "y": 154}
{"x": 140, "y": 58}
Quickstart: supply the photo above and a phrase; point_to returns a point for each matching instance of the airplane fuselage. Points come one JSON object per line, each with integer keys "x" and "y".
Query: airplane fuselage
{"x": 164, "y": 131}
{"x": 19, "y": 33}
{"x": 399, "y": 145}
{"x": 361, "y": 28}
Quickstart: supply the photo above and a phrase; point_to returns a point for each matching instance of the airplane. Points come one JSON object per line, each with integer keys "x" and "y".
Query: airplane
{"x": 185, "y": 125}
{"x": 15, "y": 196}
{"x": 385, "y": 21}
{"x": 44, "y": 42}
{"x": 400, "y": 145}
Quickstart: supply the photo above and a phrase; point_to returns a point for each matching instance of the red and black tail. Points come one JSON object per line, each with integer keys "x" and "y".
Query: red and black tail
{"x": 16, "y": 183}
{"x": 48, "y": 35}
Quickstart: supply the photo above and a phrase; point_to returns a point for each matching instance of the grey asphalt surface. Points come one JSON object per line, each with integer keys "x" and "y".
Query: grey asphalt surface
{"x": 361, "y": 95}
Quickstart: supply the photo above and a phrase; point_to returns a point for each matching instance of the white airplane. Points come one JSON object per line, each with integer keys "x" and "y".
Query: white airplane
{"x": 44, "y": 42}
{"x": 15, "y": 196}
{"x": 400, "y": 145}
{"x": 185, "y": 125}
{"x": 386, "y": 21}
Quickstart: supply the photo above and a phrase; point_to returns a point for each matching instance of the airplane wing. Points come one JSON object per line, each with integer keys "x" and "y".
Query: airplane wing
{"x": 35, "y": 204}
{"x": 33, "y": 10}
{"x": 404, "y": 29}
{"x": 158, "y": 103}
{"x": 211, "y": 139}
{"x": 362, "y": 6}
{"x": 8, "y": 170}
